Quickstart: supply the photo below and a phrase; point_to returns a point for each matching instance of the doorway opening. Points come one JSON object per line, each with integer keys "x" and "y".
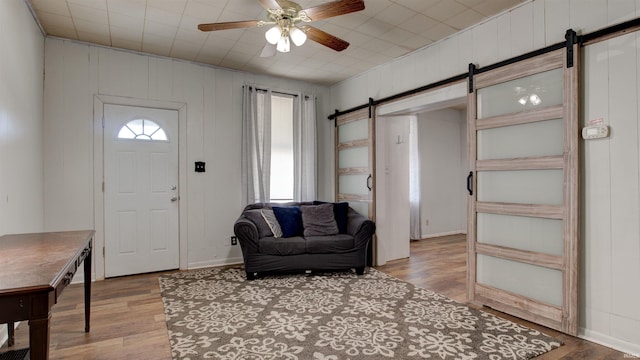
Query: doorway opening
{"x": 443, "y": 167}
{"x": 421, "y": 145}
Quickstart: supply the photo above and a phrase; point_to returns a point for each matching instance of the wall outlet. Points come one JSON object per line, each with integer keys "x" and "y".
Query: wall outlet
{"x": 234, "y": 240}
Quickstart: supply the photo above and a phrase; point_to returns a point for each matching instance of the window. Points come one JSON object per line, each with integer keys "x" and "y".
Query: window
{"x": 281, "y": 184}
{"x": 142, "y": 129}
{"x": 278, "y": 146}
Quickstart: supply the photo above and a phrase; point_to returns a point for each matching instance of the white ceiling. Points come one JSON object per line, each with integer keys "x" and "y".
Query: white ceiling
{"x": 385, "y": 30}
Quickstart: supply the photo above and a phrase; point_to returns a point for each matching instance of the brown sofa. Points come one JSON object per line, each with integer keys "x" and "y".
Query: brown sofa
{"x": 262, "y": 252}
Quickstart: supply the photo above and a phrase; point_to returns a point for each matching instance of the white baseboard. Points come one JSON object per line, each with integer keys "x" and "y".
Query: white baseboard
{"x": 446, "y": 233}
{"x": 630, "y": 349}
{"x": 213, "y": 263}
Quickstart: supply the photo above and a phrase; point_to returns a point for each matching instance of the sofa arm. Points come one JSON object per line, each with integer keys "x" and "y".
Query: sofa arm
{"x": 247, "y": 233}
{"x": 360, "y": 227}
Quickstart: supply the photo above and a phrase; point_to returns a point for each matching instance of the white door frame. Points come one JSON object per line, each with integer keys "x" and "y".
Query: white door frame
{"x": 98, "y": 172}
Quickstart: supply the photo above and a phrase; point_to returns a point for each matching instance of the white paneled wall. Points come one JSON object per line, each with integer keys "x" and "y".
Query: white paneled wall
{"x": 442, "y": 178}
{"x": 21, "y": 133}
{"x": 392, "y": 188}
{"x": 611, "y": 188}
{"x": 530, "y": 26}
{"x": 75, "y": 72}
{"x": 21, "y": 78}
{"x": 610, "y": 241}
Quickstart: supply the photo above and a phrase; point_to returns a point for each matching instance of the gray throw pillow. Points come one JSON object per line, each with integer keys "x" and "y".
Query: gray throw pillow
{"x": 255, "y": 215}
{"x": 318, "y": 220}
{"x": 273, "y": 223}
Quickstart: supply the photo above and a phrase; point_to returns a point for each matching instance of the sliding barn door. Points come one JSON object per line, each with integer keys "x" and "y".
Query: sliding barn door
{"x": 355, "y": 163}
{"x": 523, "y": 185}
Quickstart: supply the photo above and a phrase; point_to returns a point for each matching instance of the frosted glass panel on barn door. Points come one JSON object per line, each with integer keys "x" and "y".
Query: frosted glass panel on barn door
{"x": 355, "y": 175}
{"x": 523, "y": 200}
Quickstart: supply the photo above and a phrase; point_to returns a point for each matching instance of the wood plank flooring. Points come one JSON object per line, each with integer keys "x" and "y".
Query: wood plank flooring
{"x": 439, "y": 264}
{"x": 127, "y": 315}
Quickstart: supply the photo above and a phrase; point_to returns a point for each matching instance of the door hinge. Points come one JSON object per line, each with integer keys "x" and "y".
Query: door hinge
{"x": 103, "y": 252}
{"x": 103, "y": 186}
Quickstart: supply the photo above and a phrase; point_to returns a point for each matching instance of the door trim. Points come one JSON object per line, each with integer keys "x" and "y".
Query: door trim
{"x": 98, "y": 172}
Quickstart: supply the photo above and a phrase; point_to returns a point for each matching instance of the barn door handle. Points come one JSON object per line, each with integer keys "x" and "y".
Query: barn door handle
{"x": 470, "y": 183}
{"x": 369, "y": 186}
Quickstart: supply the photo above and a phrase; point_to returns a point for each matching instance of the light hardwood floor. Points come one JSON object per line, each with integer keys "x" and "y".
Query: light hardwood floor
{"x": 440, "y": 264}
{"x": 127, "y": 316}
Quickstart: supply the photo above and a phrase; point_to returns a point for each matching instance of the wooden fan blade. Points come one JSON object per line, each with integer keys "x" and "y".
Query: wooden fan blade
{"x": 269, "y": 4}
{"x": 228, "y": 25}
{"x": 287, "y": 4}
{"x": 334, "y": 8}
{"x": 324, "y": 38}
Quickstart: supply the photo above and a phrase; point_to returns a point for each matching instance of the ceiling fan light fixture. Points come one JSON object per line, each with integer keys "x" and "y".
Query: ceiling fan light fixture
{"x": 297, "y": 36}
{"x": 283, "y": 44}
{"x": 284, "y": 16}
{"x": 273, "y": 35}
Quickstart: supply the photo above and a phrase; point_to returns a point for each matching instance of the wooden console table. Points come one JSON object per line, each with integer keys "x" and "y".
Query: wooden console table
{"x": 35, "y": 269}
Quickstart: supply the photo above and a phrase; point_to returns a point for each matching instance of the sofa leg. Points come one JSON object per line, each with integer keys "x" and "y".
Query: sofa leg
{"x": 251, "y": 275}
{"x": 360, "y": 270}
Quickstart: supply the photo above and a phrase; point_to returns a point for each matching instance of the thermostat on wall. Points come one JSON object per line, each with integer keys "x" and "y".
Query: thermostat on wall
{"x": 595, "y": 132}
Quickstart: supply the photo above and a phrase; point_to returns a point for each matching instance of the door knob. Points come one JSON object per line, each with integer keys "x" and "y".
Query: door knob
{"x": 175, "y": 198}
{"x": 173, "y": 187}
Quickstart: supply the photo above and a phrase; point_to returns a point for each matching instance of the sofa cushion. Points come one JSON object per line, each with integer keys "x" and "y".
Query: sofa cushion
{"x": 329, "y": 244}
{"x": 282, "y": 246}
{"x": 340, "y": 211}
{"x": 272, "y": 222}
{"x": 255, "y": 215}
{"x": 290, "y": 219}
{"x": 318, "y": 220}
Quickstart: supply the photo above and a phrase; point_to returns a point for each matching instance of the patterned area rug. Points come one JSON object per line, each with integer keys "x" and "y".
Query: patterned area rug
{"x": 217, "y": 314}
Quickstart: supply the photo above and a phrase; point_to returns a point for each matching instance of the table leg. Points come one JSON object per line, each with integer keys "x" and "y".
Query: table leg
{"x": 87, "y": 289}
{"x": 39, "y": 338}
{"x": 10, "y": 334}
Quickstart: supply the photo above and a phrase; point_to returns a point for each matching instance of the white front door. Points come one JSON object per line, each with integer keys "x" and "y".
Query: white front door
{"x": 140, "y": 190}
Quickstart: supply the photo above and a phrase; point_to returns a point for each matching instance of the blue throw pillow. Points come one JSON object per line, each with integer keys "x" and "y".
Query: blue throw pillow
{"x": 290, "y": 219}
{"x": 340, "y": 211}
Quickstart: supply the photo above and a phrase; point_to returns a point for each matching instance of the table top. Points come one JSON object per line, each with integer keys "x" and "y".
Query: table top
{"x": 34, "y": 262}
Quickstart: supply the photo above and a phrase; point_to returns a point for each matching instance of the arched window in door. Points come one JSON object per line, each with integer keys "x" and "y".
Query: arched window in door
{"x": 142, "y": 129}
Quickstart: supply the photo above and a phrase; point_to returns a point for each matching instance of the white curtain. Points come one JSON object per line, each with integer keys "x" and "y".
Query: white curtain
{"x": 256, "y": 144}
{"x": 415, "y": 231}
{"x": 304, "y": 148}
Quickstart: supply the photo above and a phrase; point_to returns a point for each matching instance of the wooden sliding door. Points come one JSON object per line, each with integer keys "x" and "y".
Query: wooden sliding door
{"x": 355, "y": 174}
{"x": 355, "y": 161}
{"x": 523, "y": 185}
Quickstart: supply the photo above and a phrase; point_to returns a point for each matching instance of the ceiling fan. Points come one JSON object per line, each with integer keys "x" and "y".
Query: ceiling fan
{"x": 290, "y": 21}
